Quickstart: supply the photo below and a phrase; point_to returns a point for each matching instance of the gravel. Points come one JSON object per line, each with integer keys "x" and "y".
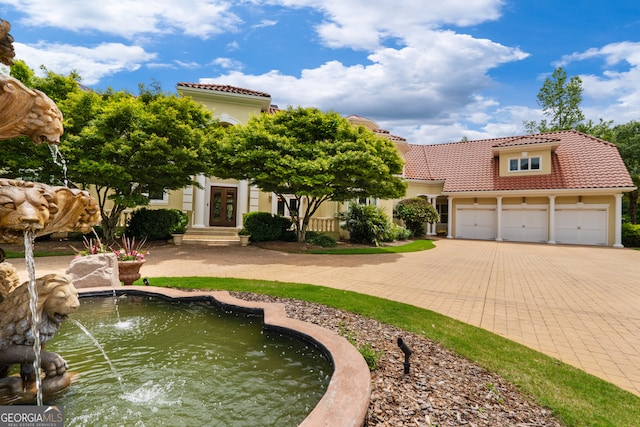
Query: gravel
{"x": 441, "y": 389}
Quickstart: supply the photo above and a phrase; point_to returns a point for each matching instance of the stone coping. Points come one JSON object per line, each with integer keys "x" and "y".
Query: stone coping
{"x": 346, "y": 399}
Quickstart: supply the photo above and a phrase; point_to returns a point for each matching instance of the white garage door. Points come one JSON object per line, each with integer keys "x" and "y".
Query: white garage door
{"x": 525, "y": 225}
{"x": 476, "y": 223}
{"x": 581, "y": 226}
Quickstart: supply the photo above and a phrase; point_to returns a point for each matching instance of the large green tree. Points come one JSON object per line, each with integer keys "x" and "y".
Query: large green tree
{"x": 312, "y": 155}
{"x": 122, "y": 146}
{"x": 560, "y": 98}
{"x": 627, "y": 139}
{"x": 127, "y": 147}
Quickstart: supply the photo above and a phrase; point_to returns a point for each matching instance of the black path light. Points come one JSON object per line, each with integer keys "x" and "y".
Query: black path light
{"x": 407, "y": 352}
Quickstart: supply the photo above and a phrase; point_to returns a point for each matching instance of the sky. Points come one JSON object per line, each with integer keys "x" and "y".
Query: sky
{"x": 430, "y": 71}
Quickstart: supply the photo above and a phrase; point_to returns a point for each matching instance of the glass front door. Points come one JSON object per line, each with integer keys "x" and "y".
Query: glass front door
{"x": 223, "y": 207}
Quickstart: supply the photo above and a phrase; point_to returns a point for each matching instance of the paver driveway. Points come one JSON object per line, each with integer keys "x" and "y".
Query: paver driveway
{"x": 578, "y": 304}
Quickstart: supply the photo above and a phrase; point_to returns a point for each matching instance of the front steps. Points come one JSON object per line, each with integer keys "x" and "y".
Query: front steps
{"x": 212, "y": 236}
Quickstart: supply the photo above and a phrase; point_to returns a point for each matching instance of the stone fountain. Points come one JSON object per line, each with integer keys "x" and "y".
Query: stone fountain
{"x": 33, "y": 209}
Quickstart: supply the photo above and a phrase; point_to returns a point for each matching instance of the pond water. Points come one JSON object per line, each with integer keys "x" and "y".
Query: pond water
{"x": 187, "y": 364}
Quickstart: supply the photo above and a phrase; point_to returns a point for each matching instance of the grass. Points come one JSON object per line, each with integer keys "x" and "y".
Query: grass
{"x": 14, "y": 254}
{"x": 415, "y": 246}
{"x": 575, "y": 397}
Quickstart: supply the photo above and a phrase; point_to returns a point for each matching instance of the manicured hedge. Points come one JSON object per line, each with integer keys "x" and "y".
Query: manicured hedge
{"x": 154, "y": 224}
{"x": 263, "y": 226}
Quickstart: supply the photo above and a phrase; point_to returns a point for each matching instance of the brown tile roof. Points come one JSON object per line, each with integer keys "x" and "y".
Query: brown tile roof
{"x": 224, "y": 88}
{"x": 580, "y": 161}
{"x": 386, "y": 134}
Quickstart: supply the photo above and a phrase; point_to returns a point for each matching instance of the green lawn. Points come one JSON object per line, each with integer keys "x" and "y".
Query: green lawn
{"x": 577, "y": 398}
{"x": 415, "y": 246}
{"x": 13, "y": 254}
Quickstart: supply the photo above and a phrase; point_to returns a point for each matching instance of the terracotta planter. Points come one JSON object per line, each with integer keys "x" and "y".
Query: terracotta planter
{"x": 129, "y": 271}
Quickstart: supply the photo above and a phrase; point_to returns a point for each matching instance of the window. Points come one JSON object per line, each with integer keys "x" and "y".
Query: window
{"x": 367, "y": 201}
{"x": 443, "y": 211}
{"x": 281, "y": 207}
{"x": 158, "y": 197}
{"x": 524, "y": 164}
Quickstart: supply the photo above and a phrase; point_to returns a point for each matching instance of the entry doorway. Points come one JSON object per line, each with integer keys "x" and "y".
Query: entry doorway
{"x": 223, "y": 207}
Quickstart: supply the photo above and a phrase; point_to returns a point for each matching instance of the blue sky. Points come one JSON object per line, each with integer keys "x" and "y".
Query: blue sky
{"x": 431, "y": 71}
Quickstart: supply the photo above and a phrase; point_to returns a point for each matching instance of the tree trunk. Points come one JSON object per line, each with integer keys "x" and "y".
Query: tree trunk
{"x": 110, "y": 223}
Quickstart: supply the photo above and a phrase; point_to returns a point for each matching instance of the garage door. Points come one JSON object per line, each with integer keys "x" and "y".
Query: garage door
{"x": 476, "y": 223}
{"x": 525, "y": 225}
{"x": 581, "y": 226}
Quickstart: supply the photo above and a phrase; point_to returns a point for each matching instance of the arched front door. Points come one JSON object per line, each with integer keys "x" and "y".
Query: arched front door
{"x": 223, "y": 207}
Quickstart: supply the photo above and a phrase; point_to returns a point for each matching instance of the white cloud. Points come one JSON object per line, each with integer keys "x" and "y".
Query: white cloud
{"x": 91, "y": 63}
{"x": 416, "y": 72}
{"x": 227, "y": 63}
{"x": 362, "y": 24}
{"x": 436, "y": 79}
{"x": 421, "y": 80}
{"x": 187, "y": 65}
{"x": 265, "y": 23}
{"x": 482, "y": 119}
{"x": 615, "y": 94}
{"x": 131, "y": 18}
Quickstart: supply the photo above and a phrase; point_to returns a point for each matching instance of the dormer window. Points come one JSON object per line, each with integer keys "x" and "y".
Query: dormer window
{"x": 524, "y": 163}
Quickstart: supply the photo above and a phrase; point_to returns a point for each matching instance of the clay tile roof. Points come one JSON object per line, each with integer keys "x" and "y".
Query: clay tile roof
{"x": 224, "y": 88}
{"x": 580, "y": 161}
{"x": 386, "y": 134}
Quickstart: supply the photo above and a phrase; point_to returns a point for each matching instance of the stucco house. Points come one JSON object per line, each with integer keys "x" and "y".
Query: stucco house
{"x": 562, "y": 187}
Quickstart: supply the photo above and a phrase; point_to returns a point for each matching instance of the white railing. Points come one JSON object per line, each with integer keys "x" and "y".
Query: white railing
{"x": 326, "y": 225}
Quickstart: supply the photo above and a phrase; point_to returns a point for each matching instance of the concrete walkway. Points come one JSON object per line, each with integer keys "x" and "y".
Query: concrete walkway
{"x": 580, "y": 305}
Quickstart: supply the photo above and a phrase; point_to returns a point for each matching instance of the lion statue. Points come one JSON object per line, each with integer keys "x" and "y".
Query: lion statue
{"x": 7, "y": 53}
{"x": 24, "y": 111}
{"x": 57, "y": 299}
{"x": 43, "y": 209}
{"x": 28, "y": 112}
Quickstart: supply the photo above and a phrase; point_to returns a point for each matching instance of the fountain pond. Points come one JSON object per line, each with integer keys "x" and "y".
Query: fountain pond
{"x": 185, "y": 364}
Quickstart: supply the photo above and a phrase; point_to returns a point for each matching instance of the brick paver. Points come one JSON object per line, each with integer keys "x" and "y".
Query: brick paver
{"x": 577, "y": 304}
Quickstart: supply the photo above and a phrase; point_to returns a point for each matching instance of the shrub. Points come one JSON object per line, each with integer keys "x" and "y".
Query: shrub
{"x": 631, "y": 235}
{"x": 262, "y": 226}
{"x": 370, "y": 355}
{"x": 180, "y": 225}
{"x": 366, "y": 223}
{"x": 415, "y": 213}
{"x": 396, "y": 232}
{"x": 320, "y": 239}
{"x": 152, "y": 224}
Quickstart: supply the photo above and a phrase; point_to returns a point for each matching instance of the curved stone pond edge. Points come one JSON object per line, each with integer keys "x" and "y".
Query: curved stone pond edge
{"x": 346, "y": 399}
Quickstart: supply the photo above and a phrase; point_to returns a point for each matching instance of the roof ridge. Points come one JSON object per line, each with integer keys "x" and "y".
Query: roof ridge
{"x": 224, "y": 88}
{"x": 534, "y": 135}
{"x": 472, "y": 141}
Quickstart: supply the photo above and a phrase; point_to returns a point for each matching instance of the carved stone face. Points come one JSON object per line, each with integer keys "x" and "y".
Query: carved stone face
{"x": 23, "y": 208}
{"x": 61, "y": 301}
{"x": 45, "y": 124}
{"x": 28, "y": 112}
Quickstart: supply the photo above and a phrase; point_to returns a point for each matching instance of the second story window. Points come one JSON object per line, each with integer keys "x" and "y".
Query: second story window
{"x": 524, "y": 164}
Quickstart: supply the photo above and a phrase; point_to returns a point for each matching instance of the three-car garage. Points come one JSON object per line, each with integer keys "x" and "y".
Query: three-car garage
{"x": 571, "y": 223}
